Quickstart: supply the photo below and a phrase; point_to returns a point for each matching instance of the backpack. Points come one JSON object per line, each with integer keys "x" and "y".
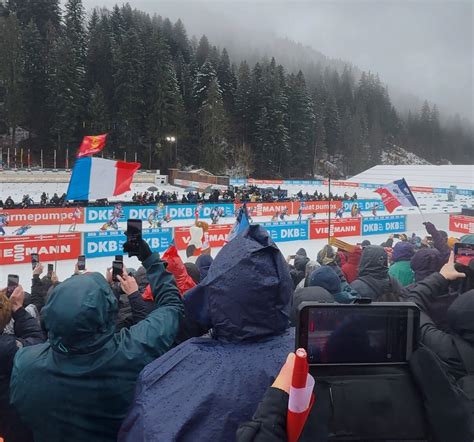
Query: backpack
{"x": 466, "y": 383}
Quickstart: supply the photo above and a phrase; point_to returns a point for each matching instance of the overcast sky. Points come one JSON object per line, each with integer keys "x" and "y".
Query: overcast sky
{"x": 422, "y": 46}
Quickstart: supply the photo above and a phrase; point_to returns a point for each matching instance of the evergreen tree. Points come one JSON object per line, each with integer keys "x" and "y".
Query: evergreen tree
{"x": 227, "y": 81}
{"x": 214, "y": 143}
{"x": 10, "y": 74}
{"x": 301, "y": 121}
{"x": 203, "y": 50}
{"x": 243, "y": 102}
{"x": 332, "y": 126}
{"x": 97, "y": 113}
{"x": 129, "y": 91}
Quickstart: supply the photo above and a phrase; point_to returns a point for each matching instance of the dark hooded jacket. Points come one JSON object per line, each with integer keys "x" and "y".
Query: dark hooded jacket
{"x": 459, "y": 317}
{"x": 203, "y": 263}
{"x": 78, "y": 385}
{"x": 307, "y": 294}
{"x": 426, "y": 262}
{"x": 204, "y": 388}
{"x": 298, "y": 272}
{"x": 374, "y": 280}
{"x": 26, "y": 332}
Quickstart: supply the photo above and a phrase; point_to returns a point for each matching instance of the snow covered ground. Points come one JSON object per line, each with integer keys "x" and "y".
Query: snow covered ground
{"x": 434, "y": 206}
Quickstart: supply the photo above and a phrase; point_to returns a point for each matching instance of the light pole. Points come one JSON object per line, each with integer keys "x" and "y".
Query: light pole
{"x": 174, "y": 140}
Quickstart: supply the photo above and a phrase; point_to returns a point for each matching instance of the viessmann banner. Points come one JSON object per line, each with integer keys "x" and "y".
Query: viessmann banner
{"x": 318, "y": 228}
{"x": 42, "y": 217}
{"x": 18, "y": 249}
{"x": 461, "y": 224}
{"x": 100, "y": 244}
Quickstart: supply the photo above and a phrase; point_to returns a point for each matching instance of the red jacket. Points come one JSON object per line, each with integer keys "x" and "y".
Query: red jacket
{"x": 351, "y": 268}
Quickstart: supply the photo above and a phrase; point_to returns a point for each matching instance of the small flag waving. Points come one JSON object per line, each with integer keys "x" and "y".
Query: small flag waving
{"x": 91, "y": 144}
{"x": 397, "y": 194}
{"x": 241, "y": 223}
{"x": 95, "y": 178}
{"x": 301, "y": 397}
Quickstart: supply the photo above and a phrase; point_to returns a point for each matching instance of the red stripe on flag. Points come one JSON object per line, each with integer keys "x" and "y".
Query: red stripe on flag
{"x": 125, "y": 172}
{"x": 390, "y": 201}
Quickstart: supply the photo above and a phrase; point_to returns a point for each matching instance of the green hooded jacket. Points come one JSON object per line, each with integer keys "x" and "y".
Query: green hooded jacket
{"x": 78, "y": 385}
{"x": 402, "y": 272}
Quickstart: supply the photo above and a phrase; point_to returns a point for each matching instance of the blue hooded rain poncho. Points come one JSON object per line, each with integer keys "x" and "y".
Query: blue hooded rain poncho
{"x": 204, "y": 388}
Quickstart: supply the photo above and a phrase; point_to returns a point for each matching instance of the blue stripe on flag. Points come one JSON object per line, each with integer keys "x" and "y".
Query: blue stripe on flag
{"x": 80, "y": 180}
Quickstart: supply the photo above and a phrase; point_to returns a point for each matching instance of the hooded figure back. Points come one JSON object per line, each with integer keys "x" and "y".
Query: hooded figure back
{"x": 204, "y": 388}
{"x": 374, "y": 281}
{"x": 83, "y": 377}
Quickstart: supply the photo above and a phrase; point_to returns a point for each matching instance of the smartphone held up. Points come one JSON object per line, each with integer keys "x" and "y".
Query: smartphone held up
{"x": 134, "y": 236}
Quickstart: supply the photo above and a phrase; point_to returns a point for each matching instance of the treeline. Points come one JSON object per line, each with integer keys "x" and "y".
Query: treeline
{"x": 173, "y": 100}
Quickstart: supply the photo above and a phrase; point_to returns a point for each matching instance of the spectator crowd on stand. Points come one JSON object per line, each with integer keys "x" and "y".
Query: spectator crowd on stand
{"x": 213, "y": 196}
{"x": 189, "y": 351}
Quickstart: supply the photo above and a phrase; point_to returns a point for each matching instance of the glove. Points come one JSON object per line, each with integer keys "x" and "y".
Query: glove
{"x": 144, "y": 250}
{"x": 430, "y": 227}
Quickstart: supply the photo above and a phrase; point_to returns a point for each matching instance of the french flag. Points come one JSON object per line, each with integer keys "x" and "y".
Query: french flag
{"x": 397, "y": 194}
{"x": 95, "y": 178}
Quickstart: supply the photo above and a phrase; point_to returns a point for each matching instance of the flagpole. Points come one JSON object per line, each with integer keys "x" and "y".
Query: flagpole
{"x": 329, "y": 208}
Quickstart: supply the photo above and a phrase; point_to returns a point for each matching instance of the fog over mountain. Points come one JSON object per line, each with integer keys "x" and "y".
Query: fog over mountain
{"x": 423, "y": 49}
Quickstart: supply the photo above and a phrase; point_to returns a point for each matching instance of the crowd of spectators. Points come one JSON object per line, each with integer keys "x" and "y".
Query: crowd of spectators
{"x": 186, "y": 351}
{"x": 150, "y": 197}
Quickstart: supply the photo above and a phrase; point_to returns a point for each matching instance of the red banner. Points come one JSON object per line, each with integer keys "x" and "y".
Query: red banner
{"x": 317, "y": 207}
{"x": 267, "y": 209}
{"x": 42, "y": 217}
{"x": 18, "y": 249}
{"x": 318, "y": 228}
{"x": 341, "y": 183}
{"x": 217, "y": 235}
{"x": 421, "y": 189}
{"x": 461, "y": 224}
{"x": 257, "y": 182}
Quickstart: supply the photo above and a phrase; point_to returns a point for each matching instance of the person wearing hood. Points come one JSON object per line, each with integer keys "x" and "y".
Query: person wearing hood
{"x": 26, "y": 332}
{"x": 351, "y": 268}
{"x": 203, "y": 263}
{"x": 400, "y": 268}
{"x": 79, "y": 384}
{"x": 245, "y": 299}
{"x": 374, "y": 281}
{"x": 298, "y": 270}
{"x": 310, "y": 267}
{"x": 425, "y": 262}
{"x": 328, "y": 257}
{"x": 327, "y": 278}
{"x": 459, "y": 315}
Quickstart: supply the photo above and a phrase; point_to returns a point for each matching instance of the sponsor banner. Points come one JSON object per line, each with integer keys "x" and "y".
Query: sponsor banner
{"x": 316, "y": 207}
{"x": 369, "y": 185}
{"x": 18, "y": 249}
{"x": 254, "y": 182}
{"x": 364, "y": 205}
{"x": 267, "y": 209}
{"x": 341, "y": 183}
{"x": 216, "y": 235}
{"x": 198, "y": 184}
{"x": 377, "y": 225}
{"x": 461, "y": 224}
{"x": 42, "y": 217}
{"x": 237, "y": 181}
{"x": 175, "y": 211}
{"x": 100, "y": 244}
{"x": 421, "y": 189}
{"x": 287, "y": 231}
{"x": 318, "y": 228}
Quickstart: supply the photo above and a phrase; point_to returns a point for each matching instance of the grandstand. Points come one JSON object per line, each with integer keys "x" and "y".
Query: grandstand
{"x": 461, "y": 176}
